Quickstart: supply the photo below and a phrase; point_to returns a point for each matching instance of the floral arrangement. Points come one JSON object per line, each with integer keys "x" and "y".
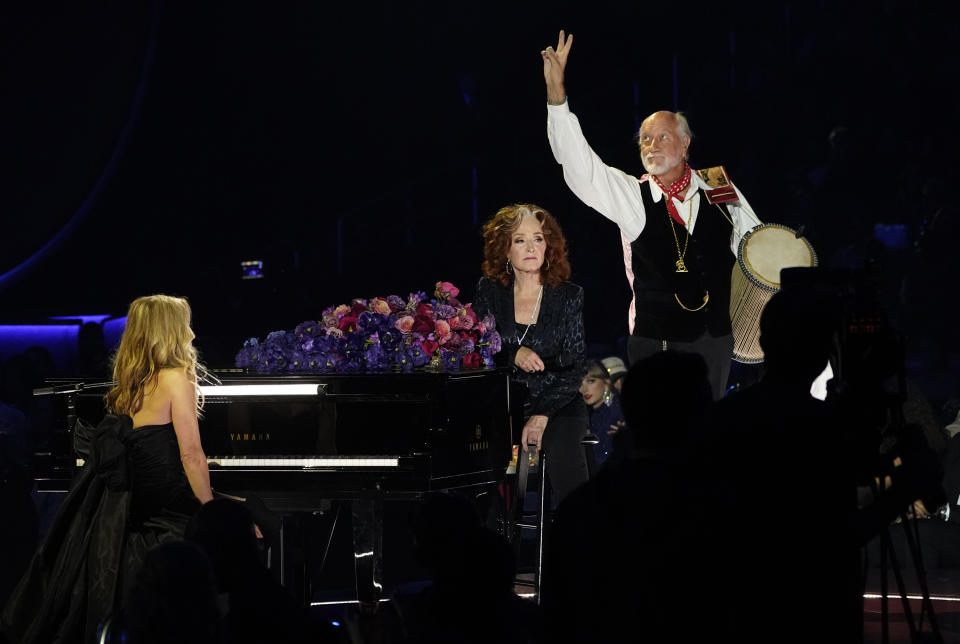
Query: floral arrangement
{"x": 379, "y": 334}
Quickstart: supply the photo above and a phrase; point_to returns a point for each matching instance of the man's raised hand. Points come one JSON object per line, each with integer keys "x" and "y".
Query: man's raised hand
{"x": 554, "y": 63}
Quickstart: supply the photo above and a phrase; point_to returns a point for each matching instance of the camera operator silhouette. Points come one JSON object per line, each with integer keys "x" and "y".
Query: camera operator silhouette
{"x": 789, "y": 468}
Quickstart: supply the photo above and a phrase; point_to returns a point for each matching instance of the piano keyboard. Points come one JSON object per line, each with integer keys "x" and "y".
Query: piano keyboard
{"x": 255, "y": 462}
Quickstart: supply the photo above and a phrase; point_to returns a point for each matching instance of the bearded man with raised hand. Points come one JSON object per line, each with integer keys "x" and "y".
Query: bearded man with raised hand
{"x": 679, "y": 247}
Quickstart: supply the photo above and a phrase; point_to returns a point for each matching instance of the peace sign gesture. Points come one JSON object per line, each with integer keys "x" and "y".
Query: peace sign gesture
{"x": 554, "y": 63}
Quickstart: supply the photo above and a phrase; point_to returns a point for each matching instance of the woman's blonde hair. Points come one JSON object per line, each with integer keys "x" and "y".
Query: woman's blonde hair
{"x": 157, "y": 336}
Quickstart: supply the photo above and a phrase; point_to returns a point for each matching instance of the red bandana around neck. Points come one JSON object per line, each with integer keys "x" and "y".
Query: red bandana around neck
{"x": 677, "y": 189}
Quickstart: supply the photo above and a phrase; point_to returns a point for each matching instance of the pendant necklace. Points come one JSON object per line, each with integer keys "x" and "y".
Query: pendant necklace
{"x": 533, "y": 317}
{"x": 681, "y": 266}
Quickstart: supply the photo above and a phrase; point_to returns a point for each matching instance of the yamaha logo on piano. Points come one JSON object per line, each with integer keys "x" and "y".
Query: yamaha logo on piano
{"x": 478, "y": 445}
{"x": 263, "y": 436}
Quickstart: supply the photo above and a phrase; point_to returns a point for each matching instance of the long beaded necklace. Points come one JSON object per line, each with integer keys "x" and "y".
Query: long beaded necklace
{"x": 533, "y": 317}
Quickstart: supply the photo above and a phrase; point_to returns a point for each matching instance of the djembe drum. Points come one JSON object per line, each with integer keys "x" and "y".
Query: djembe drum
{"x": 762, "y": 254}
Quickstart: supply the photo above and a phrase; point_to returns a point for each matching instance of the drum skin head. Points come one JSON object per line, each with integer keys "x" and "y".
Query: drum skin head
{"x": 767, "y": 249}
{"x": 763, "y": 252}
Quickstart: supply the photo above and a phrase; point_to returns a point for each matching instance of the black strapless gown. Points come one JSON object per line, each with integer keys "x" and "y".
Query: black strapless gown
{"x": 131, "y": 495}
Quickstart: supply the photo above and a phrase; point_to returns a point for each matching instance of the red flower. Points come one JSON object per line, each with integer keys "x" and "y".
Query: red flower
{"x": 472, "y": 360}
{"x": 429, "y": 347}
{"x": 424, "y": 308}
{"x": 422, "y": 324}
{"x": 348, "y": 323}
{"x": 357, "y": 307}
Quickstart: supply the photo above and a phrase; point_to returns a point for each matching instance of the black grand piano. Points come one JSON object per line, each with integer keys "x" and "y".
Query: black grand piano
{"x": 299, "y": 442}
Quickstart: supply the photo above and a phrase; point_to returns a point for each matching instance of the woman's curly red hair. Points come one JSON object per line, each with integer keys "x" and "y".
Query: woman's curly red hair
{"x": 497, "y": 235}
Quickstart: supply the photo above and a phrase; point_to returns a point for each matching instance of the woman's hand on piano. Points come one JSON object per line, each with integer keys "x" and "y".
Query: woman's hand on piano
{"x": 533, "y": 431}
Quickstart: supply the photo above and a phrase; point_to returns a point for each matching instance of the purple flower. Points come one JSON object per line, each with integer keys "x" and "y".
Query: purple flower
{"x": 308, "y": 329}
{"x": 374, "y": 357}
{"x": 418, "y": 356}
{"x": 415, "y": 299}
{"x": 368, "y": 320}
{"x": 297, "y": 361}
{"x": 249, "y": 355}
{"x": 390, "y": 339}
{"x": 490, "y": 322}
{"x": 444, "y": 312}
{"x": 492, "y": 341}
{"x": 449, "y": 359}
{"x": 466, "y": 345}
{"x": 396, "y": 302}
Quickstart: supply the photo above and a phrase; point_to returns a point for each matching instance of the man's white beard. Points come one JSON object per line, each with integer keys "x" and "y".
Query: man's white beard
{"x": 657, "y": 165}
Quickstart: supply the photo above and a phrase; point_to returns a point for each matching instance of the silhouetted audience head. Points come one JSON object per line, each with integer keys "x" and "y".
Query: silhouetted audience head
{"x": 224, "y": 530}
{"x": 173, "y": 599}
{"x": 796, "y": 334}
{"x": 664, "y": 397}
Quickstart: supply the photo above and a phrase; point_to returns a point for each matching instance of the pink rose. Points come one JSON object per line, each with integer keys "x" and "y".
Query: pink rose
{"x": 446, "y": 290}
{"x": 442, "y": 329}
{"x": 405, "y": 324}
{"x": 330, "y": 321}
{"x": 341, "y": 310}
{"x": 481, "y": 327}
{"x": 379, "y": 305}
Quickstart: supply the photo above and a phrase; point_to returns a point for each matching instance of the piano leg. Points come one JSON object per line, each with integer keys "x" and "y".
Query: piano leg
{"x": 367, "y": 520}
{"x": 294, "y": 564}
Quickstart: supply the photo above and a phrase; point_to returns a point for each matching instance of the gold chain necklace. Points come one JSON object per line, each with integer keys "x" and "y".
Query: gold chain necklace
{"x": 681, "y": 266}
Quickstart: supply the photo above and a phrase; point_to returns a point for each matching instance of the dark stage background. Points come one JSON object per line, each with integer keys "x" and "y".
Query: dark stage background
{"x": 356, "y": 148}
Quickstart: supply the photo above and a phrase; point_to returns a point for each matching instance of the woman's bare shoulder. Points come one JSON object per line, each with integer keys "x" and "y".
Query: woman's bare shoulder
{"x": 172, "y": 378}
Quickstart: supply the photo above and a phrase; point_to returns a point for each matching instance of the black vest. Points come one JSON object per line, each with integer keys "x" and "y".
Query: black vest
{"x": 657, "y": 285}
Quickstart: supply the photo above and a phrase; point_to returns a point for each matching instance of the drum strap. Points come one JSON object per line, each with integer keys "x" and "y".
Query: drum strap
{"x": 725, "y": 215}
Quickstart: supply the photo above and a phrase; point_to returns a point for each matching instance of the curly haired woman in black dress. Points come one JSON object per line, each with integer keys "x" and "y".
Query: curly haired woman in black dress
{"x": 540, "y": 318}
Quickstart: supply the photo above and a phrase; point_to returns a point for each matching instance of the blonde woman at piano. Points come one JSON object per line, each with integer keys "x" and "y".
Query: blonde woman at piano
{"x": 145, "y": 475}
{"x": 539, "y": 316}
